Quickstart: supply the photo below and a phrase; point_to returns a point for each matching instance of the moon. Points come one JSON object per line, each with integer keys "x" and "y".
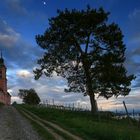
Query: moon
{"x": 44, "y": 2}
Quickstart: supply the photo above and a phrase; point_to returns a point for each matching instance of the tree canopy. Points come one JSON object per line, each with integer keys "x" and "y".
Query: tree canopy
{"x": 87, "y": 50}
{"x": 29, "y": 96}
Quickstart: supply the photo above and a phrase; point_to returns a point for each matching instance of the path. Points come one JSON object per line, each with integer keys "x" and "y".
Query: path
{"x": 50, "y": 127}
{"x": 15, "y": 127}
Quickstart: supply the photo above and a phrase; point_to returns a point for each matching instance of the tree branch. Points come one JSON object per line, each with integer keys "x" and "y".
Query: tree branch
{"x": 103, "y": 48}
{"x": 86, "y": 48}
{"x": 78, "y": 46}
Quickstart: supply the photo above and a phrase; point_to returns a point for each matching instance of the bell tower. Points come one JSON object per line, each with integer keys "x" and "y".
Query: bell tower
{"x": 5, "y": 97}
{"x": 3, "y": 80}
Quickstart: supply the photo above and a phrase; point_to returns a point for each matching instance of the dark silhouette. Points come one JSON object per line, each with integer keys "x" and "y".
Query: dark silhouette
{"x": 29, "y": 96}
{"x": 84, "y": 48}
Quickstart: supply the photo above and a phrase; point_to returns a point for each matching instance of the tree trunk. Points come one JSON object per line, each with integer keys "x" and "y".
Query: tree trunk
{"x": 86, "y": 66}
{"x": 93, "y": 103}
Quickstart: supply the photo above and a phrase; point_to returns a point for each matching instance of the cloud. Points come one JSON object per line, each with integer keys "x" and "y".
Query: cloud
{"x": 134, "y": 28}
{"x": 48, "y": 89}
{"x": 24, "y": 74}
{"x": 132, "y": 102}
{"x": 8, "y": 36}
{"x": 135, "y": 14}
{"x": 7, "y": 40}
{"x": 16, "y": 99}
{"x": 136, "y": 84}
{"x": 136, "y": 51}
{"x": 132, "y": 64}
{"x": 16, "y": 7}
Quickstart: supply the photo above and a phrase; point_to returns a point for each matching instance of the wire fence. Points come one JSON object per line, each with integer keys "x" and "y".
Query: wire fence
{"x": 65, "y": 106}
{"x": 51, "y": 103}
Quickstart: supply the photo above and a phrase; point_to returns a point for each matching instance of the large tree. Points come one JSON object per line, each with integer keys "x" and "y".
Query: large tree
{"x": 29, "y": 96}
{"x": 89, "y": 52}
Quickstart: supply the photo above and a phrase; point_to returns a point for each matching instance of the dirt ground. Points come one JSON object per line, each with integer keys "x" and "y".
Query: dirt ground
{"x": 13, "y": 126}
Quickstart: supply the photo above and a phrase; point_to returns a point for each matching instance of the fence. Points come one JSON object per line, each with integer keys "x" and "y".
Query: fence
{"x": 65, "y": 106}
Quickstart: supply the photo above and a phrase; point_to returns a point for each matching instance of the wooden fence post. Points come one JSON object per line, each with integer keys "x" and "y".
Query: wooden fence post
{"x": 127, "y": 112}
{"x": 126, "y": 109}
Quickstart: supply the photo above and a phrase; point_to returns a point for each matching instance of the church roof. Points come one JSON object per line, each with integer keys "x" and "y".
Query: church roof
{"x": 8, "y": 93}
{"x": 1, "y": 60}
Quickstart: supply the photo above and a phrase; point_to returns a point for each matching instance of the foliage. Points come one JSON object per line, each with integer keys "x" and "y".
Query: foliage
{"x": 29, "y": 96}
{"x": 89, "y": 52}
{"x": 14, "y": 103}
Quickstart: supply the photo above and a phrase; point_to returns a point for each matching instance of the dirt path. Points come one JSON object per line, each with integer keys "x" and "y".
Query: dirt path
{"x": 55, "y": 135}
{"x": 42, "y": 121}
{"x": 15, "y": 127}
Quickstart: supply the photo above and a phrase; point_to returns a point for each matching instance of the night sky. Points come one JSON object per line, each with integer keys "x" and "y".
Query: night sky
{"x": 21, "y": 20}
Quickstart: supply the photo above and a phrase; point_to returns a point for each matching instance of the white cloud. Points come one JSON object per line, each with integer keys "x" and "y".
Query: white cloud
{"x": 24, "y": 74}
{"x": 16, "y": 99}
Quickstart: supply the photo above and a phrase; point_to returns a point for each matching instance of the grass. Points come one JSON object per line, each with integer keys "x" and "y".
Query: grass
{"x": 52, "y": 128}
{"x": 87, "y": 126}
{"x": 41, "y": 131}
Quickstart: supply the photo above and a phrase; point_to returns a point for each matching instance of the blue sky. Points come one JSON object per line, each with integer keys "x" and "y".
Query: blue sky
{"x": 21, "y": 20}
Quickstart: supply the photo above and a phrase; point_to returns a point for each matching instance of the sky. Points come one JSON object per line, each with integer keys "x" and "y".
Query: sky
{"x": 22, "y": 20}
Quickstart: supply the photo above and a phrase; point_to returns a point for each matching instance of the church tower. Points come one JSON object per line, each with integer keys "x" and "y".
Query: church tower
{"x": 3, "y": 80}
{"x": 4, "y": 95}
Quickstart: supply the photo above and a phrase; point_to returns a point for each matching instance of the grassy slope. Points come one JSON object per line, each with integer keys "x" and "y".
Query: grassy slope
{"x": 87, "y": 126}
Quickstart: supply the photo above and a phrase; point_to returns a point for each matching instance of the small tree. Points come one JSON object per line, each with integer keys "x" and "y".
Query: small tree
{"x": 14, "y": 103}
{"x": 29, "y": 96}
{"x": 84, "y": 48}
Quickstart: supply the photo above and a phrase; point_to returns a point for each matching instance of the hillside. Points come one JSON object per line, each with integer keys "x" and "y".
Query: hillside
{"x": 82, "y": 125}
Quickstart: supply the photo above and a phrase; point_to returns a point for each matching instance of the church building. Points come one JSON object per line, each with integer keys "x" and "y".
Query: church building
{"x": 5, "y": 97}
